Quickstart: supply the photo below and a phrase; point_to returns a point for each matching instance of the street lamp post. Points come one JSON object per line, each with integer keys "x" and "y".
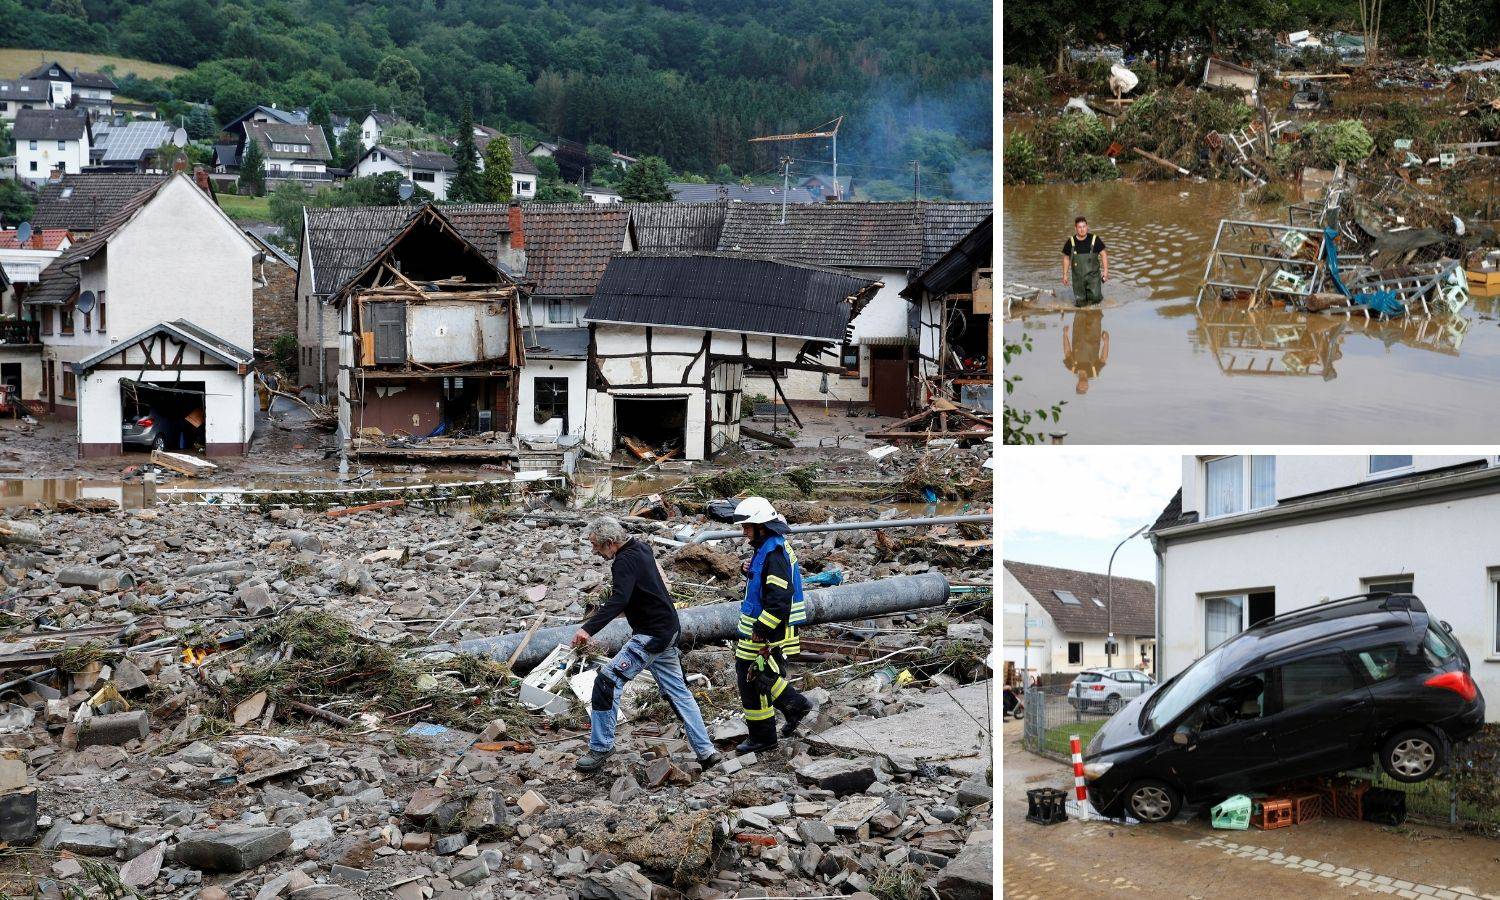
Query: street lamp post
{"x": 1109, "y": 604}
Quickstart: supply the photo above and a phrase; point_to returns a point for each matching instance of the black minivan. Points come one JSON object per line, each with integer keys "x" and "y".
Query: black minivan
{"x": 1311, "y": 692}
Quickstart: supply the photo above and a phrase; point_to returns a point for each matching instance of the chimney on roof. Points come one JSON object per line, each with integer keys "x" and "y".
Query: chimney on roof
{"x": 511, "y": 250}
{"x": 179, "y": 163}
{"x": 200, "y": 178}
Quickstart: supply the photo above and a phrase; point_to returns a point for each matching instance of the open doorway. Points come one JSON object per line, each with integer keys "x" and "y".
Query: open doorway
{"x": 162, "y": 416}
{"x": 657, "y": 424}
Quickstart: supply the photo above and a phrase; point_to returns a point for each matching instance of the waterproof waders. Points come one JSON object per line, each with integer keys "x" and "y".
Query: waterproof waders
{"x": 1088, "y": 283}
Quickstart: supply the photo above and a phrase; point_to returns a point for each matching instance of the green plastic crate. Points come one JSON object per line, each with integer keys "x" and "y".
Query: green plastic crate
{"x": 1233, "y": 814}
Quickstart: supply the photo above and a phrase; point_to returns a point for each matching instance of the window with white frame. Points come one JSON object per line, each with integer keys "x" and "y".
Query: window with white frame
{"x": 1395, "y": 584}
{"x": 1234, "y": 484}
{"x": 1223, "y": 618}
{"x": 559, "y": 312}
{"x": 1075, "y": 653}
{"x": 1495, "y": 612}
{"x": 1381, "y": 464}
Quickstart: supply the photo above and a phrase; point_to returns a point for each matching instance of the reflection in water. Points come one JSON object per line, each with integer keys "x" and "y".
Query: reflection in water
{"x": 1268, "y": 341}
{"x": 1085, "y": 346}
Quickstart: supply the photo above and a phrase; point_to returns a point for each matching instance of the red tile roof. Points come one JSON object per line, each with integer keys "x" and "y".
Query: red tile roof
{"x": 41, "y": 239}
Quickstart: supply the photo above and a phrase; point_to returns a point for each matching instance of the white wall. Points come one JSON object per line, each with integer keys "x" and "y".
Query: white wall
{"x": 523, "y": 187}
{"x": 438, "y": 187}
{"x": 74, "y": 155}
{"x": 229, "y": 403}
{"x": 1298, "y": 476}
{"x": 1448, "y": 547}
{"x": 369, "y": 132}
{"x": 576, "y": 371}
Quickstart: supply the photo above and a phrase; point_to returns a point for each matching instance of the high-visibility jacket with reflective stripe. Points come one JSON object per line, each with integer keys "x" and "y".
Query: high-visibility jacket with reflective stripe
{"x": 752, "y": 608}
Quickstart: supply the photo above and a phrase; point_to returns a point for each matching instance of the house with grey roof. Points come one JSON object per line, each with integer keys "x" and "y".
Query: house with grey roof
{"x": 374, "y": 125}
{"x": 686, "y": 192}
{"x": 428, "y": 170}
{"x": 888, "y": 242}
{"x": 17, "y": 94}
{"x": 85, "y": 201}
{"x": 132, "y": 146}
{"x": 292, "y": 151}
{"x": 50, "y": 142}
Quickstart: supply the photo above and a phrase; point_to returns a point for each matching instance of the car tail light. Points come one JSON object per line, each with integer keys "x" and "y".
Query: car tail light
{"x": 1096, "y": 687}
{"x": 145, "y": 421}
{"x": 1458, "y": 682}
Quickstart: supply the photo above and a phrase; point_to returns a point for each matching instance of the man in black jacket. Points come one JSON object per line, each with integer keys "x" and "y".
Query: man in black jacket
{"x": 641, "y": 594}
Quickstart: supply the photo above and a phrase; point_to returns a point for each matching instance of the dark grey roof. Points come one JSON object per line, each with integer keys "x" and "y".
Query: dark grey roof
{"x": 416, "y": 159}
{"x": 258, "y": 235}
{"x": 520, "y": 162}
{"x": 901, "y": 235}
{"x": 683, "y": 192}
{"x": 84, "y": 202}
{"x": 57, "y": 286}
{"x": 558, "y": 343}
{"x": 21, "y": 90}
{"x": 974, "y": 250}
{"x": 728, "y": 292}
{"x": 1134, "y": 600}
{"x": 1172, "y": 514}
{"x": 384, "y": 119}
{"x": 283, "y": 116}
{"x": 94, "y": 80}
{"x": 343, "y": 240}
{"x": 268, "y": 134}
{"x": 182, "y": 330}
{"x": 49, "y": 124}
{"x": 49, "y": 71}
{"x": 676, "y": 226}
{"x": 568, "y": 245}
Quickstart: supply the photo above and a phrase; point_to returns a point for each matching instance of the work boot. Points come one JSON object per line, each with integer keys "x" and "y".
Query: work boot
{"x": 593, "y": 760}
{"x": 755, "y": 745}
{"x": 709, "y": 760}
{"x": 796, "y": 716}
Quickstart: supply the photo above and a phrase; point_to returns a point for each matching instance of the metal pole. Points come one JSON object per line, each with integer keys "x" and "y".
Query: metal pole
{"x": 702, "y": 536}
{"x": 837, "y": 194}
{"x": 720, "y": 621}
{"x": 786, "y": 179}
{"x": 1109, "y": 604}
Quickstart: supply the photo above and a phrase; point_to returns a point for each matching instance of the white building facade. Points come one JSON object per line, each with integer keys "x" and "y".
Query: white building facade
{"x": 1255, "y": 536}
{"x": 432, "y": 172}
{"x": 50, "y": 141}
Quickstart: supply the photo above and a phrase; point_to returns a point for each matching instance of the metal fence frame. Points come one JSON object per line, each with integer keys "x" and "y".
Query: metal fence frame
{"x": 1050, "y": 719}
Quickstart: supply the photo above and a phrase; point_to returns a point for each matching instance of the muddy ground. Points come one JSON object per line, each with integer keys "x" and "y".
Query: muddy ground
{"x": 1077, "y": 860}
{"x": 297, "y": 745}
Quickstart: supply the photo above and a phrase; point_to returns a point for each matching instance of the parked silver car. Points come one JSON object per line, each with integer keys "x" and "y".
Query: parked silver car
{"x": 1107, "y": 689}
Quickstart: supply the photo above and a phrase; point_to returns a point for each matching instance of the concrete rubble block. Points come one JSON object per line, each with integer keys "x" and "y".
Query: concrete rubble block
{"x": 449, "y": 844}
{"x": 18, "y": 817}
{"x": 814, "y": 832}
{"x": 94, "y": 578}
{"x": 13, "y": 770}
{"x": 485, "y": 811}
{"x": 842, "y": 776}
{"x": 128, "y": 676}
{"x": 231, "y": 851}
{"x": 531, "y": 802}
{"x": 471, "y": 873}
{"x": 971, "y": 874}
{"x": 966, "y": 631}
{"x": 323, "y": 892}
{"x": 143, "y": 869}
{"x": 974, "y": 792}
{"x": 643, "y": 833}
{"x": 84, "y": 840}
{"x": 854, "y": 812}
{"x": 113, "y": 730}
{"x": 311, "y": 833}
{"x": 426, "y": 801}
{"x": 255, "y": 598}
{"x": 623, "y": 882}
{"x": 664, "y": 771}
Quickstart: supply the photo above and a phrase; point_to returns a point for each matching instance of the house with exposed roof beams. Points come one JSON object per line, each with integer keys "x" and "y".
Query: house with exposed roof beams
{"x": 953, "y": 298}
{"x": 1057, "y": 620}
{"x": 151, "y": 314}
{"x": 888, "y": 242}
{"x": 672, "y": 332}
{"x": 50, "y": 142}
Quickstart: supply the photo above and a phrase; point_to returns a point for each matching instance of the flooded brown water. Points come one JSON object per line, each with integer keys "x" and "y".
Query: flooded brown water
{"x": 1150, "y": 368}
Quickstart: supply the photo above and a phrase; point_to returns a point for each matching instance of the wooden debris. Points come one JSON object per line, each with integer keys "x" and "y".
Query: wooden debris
{"x": 183, "y": 464}
{"x": 775, "y": 440}
{"x": 365, "y": 507}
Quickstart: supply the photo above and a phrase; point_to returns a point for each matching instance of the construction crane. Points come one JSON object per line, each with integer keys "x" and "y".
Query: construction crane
{"x": 822, "y": 131}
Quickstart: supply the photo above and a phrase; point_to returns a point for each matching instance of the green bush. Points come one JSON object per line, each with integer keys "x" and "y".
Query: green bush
{"x": 1021, "y": 162}
{"x": 1090, "y": 167}
{"x": 1211, "y": 112}
{"x": 1346, "y": 141}
{"x": 284, "y": 353}
{"x": 1024, "y": 88}
{"x": 1064, "y": 136}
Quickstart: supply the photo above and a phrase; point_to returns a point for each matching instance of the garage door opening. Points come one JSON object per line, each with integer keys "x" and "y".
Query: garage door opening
{"x": 657, "y": 424}
{"x": 162, "y": 416}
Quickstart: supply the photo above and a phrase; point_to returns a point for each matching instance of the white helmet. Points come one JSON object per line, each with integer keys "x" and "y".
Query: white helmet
{"x": 755, "y": 511}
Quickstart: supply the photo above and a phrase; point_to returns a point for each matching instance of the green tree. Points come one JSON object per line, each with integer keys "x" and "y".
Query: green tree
{"x": 548, "y": 167}
{"x": 466, "y": 186}
{"x": 253, "y": 169}
{"x": 73, "y": 9}
{"x": 286, "y": 203}
{"x": 16, "y": 203}
{"x": 601, "y": 160}
{"x": 723, "y": 174}
{"x": 495, "y": 180}
{"x": 399, "y": 74}
{"x": 350, "y": 147}
{"x": 320, "y": 116}
{"x": 557, "y": 192}
{"x": 646, "y": 182}
{"x": 200, "y": 125}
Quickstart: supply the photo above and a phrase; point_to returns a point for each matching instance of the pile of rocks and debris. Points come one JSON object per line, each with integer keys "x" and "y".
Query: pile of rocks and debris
{"x": 216, "y": 701}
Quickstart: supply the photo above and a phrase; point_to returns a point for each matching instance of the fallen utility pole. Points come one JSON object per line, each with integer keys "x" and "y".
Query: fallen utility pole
{"x": 720, "y": 621}
{"x": 876, "y": 524}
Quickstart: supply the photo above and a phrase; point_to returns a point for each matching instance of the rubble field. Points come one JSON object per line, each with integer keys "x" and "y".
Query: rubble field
{"x": 244, "y": 701}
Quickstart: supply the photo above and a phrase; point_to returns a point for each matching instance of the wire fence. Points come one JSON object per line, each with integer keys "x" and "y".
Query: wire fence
{"x": 1052, "y": 718}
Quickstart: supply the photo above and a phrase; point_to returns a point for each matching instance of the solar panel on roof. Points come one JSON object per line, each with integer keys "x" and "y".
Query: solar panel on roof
{"x": 130, "y": 143}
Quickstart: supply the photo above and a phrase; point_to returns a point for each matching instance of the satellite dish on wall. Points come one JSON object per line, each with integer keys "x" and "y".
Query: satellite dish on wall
{"x": 405, "y": 191}
{"x": 23, "y": 233}
{"x": 86, "y": 302}
{"x": 179, "y": 138}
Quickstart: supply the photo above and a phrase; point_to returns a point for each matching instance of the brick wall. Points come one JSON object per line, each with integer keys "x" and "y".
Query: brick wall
{"x": 275, "y": 304}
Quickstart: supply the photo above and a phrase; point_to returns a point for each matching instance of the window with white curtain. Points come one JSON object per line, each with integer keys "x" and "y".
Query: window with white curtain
{"x": 1223, "y": 618}
{"x": 1234, "y": 484}
{"x": 1262, "y": 481}
{"x": 1388, "y": 463}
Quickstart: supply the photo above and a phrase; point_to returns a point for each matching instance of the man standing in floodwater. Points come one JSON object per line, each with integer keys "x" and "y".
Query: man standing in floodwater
{"x": 1086, "y": 346}
{"x": 1085, "y": 264}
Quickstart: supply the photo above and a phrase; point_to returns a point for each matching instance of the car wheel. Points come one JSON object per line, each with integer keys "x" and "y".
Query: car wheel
{"x": 160, "y": 443}
{"x": 1412, "y": 755}
{"x": 1112, "y": 705}
{"x": 1153, "y": 801}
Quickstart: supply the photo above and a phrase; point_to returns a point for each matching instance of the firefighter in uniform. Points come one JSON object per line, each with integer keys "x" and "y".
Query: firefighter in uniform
{"x": 1085, "y": 265}
{"x": 769, "y": 616}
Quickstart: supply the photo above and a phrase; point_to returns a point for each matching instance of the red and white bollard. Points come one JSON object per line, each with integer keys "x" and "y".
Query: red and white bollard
{"x": 1078, "y": 787}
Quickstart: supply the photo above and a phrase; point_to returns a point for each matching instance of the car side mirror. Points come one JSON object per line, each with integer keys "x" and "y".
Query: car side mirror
{"x": 1184, "y": 736}
{"x": 1446, "y": 627}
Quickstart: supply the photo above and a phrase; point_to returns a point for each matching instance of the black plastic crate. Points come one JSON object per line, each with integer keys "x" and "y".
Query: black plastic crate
{"x": 1384, "y": 806}
{"x": 1046, "y": 806}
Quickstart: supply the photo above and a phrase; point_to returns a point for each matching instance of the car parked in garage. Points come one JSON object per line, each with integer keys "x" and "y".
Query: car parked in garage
{"x": 1108, "y": 689}
{"x": 1317, "y": 691}
{"x": 148, "y": 431}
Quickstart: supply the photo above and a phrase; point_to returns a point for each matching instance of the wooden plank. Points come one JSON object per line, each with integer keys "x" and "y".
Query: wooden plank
{"x": 365, "y": 507}
{"x": 182, "y": 463}
{"x": 775, "y": 440}
{"x": 1161, "y": 162}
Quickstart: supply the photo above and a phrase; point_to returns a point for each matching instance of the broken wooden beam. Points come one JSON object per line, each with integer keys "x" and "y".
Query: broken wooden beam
{"x": 775, "y": 440}
{"x": 183, "y": 464}
{"x": 1161, "y": 162}
{"x": 364, "y": 507}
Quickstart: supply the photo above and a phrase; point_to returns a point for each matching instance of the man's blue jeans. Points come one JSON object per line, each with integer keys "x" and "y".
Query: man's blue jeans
{"x": 666, "y": 668}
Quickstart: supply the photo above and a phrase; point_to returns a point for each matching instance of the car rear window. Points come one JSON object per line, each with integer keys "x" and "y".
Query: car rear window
{"x": 1090, "y": 676}
{"x": 1438, "y": 646}
{"x": 1379, "y": 663}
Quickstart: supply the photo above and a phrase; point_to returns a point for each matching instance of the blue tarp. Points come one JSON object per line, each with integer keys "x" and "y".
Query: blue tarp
{"x": 1382, "y": 302}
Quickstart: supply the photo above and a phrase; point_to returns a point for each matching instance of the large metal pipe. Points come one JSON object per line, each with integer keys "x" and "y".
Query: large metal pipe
{"x": 719, "y": 621}
{"x": 976, "y": 519}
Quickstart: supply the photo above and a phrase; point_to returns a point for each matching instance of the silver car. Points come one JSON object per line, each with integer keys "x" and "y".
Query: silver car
{"x": 1107, "y": 689}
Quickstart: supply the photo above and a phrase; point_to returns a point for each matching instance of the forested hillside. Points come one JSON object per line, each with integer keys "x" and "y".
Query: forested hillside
{"x": 688, "y": 80}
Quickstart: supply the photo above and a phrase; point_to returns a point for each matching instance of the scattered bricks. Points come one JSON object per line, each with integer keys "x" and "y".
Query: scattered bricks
{"x": 120, "y": 728}
{"x": 94, "y": 578}
{"x": 842, "y": 776}
{"x": 231, "y": 851}
{"x": 1306, "y": 807}
{"x": 18, "y": 817}
{"x": 532, "y": 802}
{"x": 416, "y": 841}
{"x": 759, "y": 840}
{"x": 1272, "y": 813}
{"x": 664, "y": 771}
